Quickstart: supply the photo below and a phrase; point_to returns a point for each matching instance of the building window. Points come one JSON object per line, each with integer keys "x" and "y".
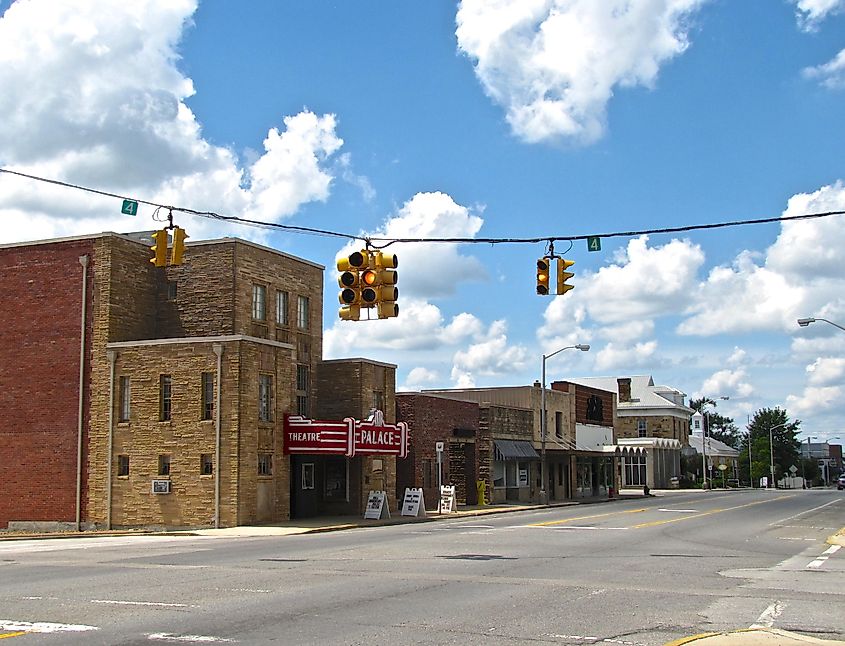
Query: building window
{"x": 282, "y": 317}
{"x": 641, "y": 428}
{"x": 634, "y": 470}
{"x": 265, "y": 398}
{"x": 123, "y": 465}
{"x": 696, "y": 424}
{"x": 558, "y": 424}
{"x": 123, "y": 400}
{"x": 265, "y": 464}
{"x": 303, "y": 347}
{"x": 164, "y": 394}
{"x": 206, "y": 464}
{"x": 164, "y": 465}
{"x": 171, "y": 290}
{"x": 302, "y": 385}
{"x": 302, "y": 312}
{"x": 207, "y": 395}
{"x": 259, "y": 302}
{"x": 378, "y": 400}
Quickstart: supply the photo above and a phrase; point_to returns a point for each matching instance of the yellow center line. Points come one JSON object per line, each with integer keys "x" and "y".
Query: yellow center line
{"x": 654, "y": 523}
{"x": 569, "y": 520}
{"x": 18, "y": 634}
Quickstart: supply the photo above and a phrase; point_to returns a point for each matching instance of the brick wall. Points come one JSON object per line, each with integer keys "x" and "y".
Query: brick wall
{"x": 39, "y": 378}
{"x": 431, "y": 420}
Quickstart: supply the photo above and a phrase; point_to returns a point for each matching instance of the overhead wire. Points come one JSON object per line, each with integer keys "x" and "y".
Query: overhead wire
{"x": 455, "y": 240}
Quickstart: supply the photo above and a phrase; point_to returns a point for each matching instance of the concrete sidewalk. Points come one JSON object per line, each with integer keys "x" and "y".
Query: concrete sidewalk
{"x": 753, "y": 637}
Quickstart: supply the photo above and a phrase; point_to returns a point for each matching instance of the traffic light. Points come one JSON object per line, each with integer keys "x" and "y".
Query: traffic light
{"x": 178, "y": 249}
{"x": 350, "y": 284}
{"x": 159, "y": 249}
{"x": 563, "y": 275}
{"x": 543, "y": 276}
{"x": 384, "y": 284}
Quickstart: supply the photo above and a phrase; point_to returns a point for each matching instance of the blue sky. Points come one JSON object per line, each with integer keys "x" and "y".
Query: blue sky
{"x": 522, "y": 118}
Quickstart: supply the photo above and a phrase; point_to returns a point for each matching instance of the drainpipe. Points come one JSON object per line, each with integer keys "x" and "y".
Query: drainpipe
{"x": 83, "y": 260}
{"x": 112, "y": 357}
{"x": 218, "y": 350}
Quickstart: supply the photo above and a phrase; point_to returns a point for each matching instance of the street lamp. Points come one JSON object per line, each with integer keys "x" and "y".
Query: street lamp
{"x": 543, "y": 493}
{"x": 772, "y": 453}
{"x": 807, "y": 321}
{"x": 704, "y": 441}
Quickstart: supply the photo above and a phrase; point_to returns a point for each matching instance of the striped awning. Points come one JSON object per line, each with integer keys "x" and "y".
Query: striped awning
{"x": 514, "y": 450}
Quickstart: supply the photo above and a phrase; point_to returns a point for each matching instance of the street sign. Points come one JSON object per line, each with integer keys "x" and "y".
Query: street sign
{"x": 594, "y": 243}
{"x": 439, "y": 446}
{"x": 130, "y": 207}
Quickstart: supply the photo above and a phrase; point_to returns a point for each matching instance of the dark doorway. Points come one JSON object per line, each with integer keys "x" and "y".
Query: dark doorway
{"x": 303, "y": 486}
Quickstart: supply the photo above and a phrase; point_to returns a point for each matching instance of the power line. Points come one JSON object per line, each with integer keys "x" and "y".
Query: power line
{"x": 388, "y": 241}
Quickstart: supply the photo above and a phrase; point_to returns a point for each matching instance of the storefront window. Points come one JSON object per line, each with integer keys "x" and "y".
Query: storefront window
{"x": 634, "y": 470}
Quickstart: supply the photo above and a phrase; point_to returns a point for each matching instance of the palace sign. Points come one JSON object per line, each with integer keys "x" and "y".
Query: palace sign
{"x": 350, "y": 437}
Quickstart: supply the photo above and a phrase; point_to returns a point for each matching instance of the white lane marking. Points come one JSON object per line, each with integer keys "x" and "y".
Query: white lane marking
{"x": 43, "y": 627}
{"x": 154, "y": 604}
{"x": 791, "y": 538}
{"x": 681, "y": 511}
{"x": 817, "y": 563}
{"x": 767, "y": 618}
{"x": 201, "y": 639}
{"x": 783, "y": 520}
{"x": 476, "y": 526}
{"x": 585, "y": 527}
{"x": 833, "y": 549}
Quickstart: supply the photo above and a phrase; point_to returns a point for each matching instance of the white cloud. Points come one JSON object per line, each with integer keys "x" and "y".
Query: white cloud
{"x": 815, "y": 400}
{"x": 96, "y": 88}
{"x": 826, "y": 371}
{"x": 796, "y": 277}
{"x": 419, "y": 377}
{"x": 553, "y": 64}
{"x": 489, "y": 357}
{"x": 738, "y": 357}
{"x": 830, "y": 74}
{"x": 811, "y": 12}
{"x": 731, "y": 382}
{"x": 627, "y": 358}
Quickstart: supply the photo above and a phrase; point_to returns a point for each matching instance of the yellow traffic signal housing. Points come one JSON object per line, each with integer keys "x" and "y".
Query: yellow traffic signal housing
{"x": 563, "y": 275}
{"x": 542, "y": 276}
{"x": 178, "y": 249}
{"x": 367, "y": 280}
{"x": 159, "y": 249}
{"x": 386, "y": 294}
{"x": 351, "y": 283}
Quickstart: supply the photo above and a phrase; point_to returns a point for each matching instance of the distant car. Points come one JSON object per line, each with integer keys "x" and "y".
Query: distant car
{"x": 841, "y": 482}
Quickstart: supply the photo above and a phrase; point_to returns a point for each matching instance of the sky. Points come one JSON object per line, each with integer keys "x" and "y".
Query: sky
{"x": 476, "y": 119}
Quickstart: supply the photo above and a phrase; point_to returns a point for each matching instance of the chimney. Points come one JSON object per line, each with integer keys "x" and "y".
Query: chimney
{"x": 624, "y": 385}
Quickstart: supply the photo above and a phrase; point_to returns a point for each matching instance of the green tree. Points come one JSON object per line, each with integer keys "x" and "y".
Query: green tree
{"x": 784, "y": 444}
{"x": 719, "y": 427}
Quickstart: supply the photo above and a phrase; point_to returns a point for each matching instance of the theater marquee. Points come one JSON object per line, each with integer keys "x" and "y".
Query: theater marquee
{"x": 350, "y": 437}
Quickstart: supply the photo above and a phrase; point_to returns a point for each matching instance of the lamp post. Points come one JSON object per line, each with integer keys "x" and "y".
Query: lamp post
{"x": 704, "y": 431}
{"x": 807, "y": 321}
{"x": 750, "y": 475}
{"x": 772, "y": 453}
{"x": 544, "y": 499}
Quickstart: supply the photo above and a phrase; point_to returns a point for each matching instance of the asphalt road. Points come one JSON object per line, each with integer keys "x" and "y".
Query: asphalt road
{"x": 635, "y": 572}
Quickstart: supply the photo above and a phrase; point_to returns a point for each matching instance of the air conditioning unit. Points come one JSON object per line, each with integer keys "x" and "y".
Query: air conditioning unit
{"x": 161, "y": 486}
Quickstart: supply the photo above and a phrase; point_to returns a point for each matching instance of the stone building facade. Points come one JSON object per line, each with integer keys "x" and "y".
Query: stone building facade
{"x": 135, "y": 395}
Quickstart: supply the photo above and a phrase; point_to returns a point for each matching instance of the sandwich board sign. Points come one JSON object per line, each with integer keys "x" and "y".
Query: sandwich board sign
{"x": 377, "y": 506}
{"x": 447, "y": 499}
{"x": 414, "y": 503}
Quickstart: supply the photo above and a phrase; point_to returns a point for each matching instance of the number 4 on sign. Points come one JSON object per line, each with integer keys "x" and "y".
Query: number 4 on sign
{"x": 594, "y": 244}
{"x": 130, "y": 207}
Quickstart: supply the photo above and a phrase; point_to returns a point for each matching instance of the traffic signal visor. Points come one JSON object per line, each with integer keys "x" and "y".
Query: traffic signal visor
{"x": 543, "y": 276}
{"x": 563, "y": 275}
{"x": 159, "y": 249}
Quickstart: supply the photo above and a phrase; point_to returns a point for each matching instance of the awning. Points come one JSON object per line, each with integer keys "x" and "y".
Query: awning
{"x": 514, "y": 450}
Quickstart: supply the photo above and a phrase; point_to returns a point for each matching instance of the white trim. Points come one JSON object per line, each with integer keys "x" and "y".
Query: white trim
{"x": 199, "y": 339}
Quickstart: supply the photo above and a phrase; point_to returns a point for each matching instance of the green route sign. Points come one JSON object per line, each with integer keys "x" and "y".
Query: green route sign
{"x": 594, "y": 244}
{"x": 130, "y": 207}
